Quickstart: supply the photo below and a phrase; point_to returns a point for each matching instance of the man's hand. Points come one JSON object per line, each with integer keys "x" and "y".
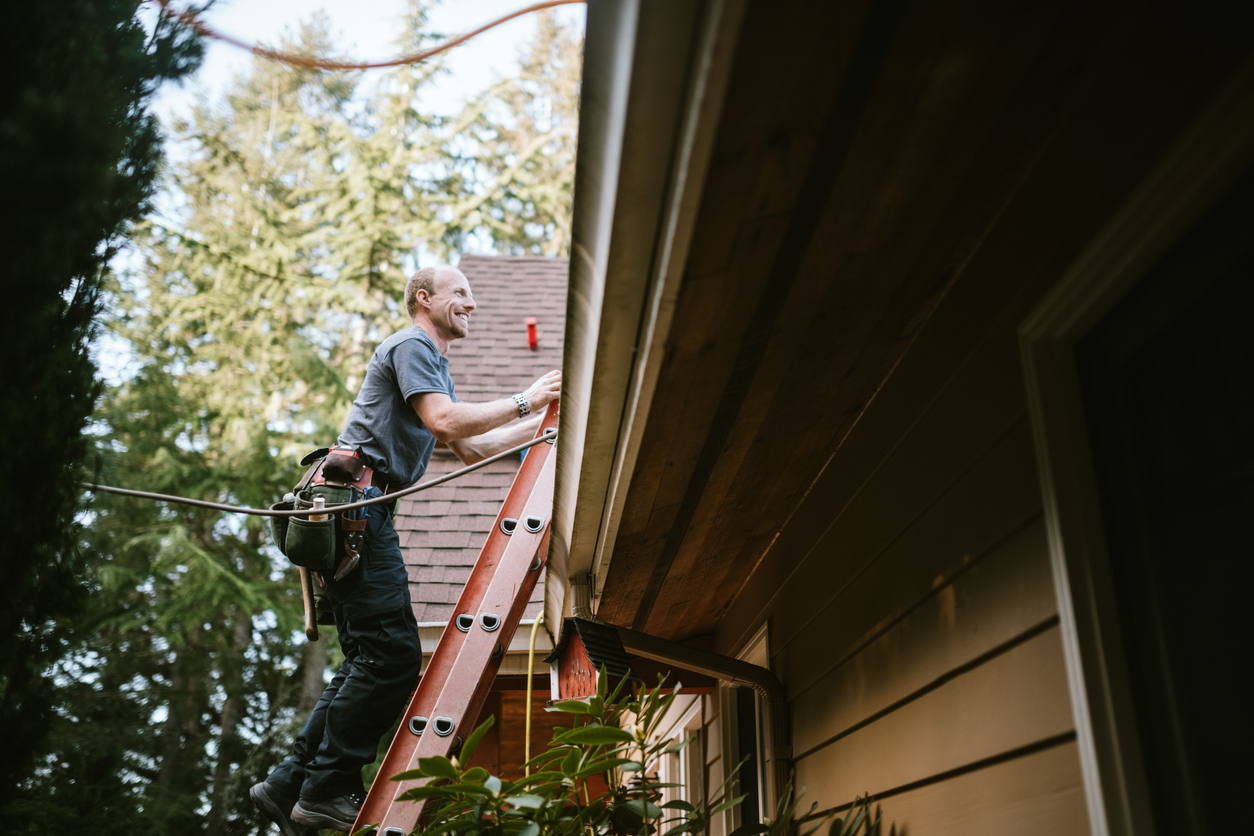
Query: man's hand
{"x": 544, "y": 391}
{"x": 450, "y": 422}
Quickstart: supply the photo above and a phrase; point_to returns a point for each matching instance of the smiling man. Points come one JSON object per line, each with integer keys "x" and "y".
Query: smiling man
{"x": 406, "y": 405}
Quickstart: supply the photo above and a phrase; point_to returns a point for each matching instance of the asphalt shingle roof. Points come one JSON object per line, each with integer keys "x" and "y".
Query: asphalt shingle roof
{"x": 443, "y": 529}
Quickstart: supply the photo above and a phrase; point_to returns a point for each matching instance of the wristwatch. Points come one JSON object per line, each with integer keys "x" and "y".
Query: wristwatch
{"x": 524, "y": 406}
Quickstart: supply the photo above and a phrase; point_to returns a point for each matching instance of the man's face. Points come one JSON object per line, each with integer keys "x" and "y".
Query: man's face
{"x": 451, "y": 304}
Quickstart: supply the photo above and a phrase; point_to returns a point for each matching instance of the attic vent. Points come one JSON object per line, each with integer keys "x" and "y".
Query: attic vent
{"x": 533, "y": 341}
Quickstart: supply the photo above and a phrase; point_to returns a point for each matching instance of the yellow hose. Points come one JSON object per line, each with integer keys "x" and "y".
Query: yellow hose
{"x": 531, "y": 664}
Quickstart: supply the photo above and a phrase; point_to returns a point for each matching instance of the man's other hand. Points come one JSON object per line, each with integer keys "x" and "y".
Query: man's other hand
{"x": 544, "y": 391}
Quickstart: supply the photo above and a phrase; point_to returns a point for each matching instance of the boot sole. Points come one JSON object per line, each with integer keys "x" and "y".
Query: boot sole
{"x": 319, "y": 821}
{"x": 275, "y": 813}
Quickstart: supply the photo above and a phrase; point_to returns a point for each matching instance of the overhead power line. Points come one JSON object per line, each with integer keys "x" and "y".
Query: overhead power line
{"x": 549, "y": 435}
{"x": 192, "y": 21}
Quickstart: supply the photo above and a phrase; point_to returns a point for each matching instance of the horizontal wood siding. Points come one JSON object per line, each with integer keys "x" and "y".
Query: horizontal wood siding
{"x": 912, "y": 611}
{"x": 1012, "y": 701}
{"x": 963, "y": 623}
{"x": 1036, "y": 795}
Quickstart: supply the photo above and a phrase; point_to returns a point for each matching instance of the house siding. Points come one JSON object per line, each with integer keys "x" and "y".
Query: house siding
{"x": 911, "y": 606}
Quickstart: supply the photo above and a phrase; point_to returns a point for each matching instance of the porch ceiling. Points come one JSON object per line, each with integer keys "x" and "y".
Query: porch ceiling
{"x": 864, "y": 155}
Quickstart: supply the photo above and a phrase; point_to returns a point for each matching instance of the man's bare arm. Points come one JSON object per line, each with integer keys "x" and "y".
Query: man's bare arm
{"x": 450, "y": 422}
{"x": 479, "y": 447}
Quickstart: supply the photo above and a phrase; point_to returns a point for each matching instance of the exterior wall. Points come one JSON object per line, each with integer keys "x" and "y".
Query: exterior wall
{"x": 910, "y": 602}
{"x": 501, "y": 751}
{"x": 698, "y": 769}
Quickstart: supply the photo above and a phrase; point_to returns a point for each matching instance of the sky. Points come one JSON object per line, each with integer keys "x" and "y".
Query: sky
{"x": 365, "y": 31}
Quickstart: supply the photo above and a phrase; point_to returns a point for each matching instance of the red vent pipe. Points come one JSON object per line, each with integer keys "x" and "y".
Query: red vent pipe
{"x": 533, "y": 342}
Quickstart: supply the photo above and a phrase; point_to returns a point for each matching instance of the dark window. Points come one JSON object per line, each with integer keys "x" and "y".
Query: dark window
{"x": 747, "y": 737}
{"x": 1168, "y": 382}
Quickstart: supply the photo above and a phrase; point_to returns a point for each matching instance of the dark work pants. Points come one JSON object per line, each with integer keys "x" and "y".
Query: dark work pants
{"x": 382, "y": 660}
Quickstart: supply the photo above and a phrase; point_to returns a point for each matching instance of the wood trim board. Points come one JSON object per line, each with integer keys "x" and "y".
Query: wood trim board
{"x": 1213, "y": 152}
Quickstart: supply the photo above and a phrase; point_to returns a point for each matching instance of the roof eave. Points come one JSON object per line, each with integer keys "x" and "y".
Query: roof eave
{"x": 644, "y": 148}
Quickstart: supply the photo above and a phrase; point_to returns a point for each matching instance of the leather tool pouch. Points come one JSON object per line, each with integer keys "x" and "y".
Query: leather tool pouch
{"x": 341, "y": 470}
{"x": 278, "y": 525}
{"x": 315, "y": 544}
{"x": 333, "y": 543}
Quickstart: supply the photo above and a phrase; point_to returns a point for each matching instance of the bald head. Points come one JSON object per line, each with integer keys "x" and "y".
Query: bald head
{"x": 427, "y": 279}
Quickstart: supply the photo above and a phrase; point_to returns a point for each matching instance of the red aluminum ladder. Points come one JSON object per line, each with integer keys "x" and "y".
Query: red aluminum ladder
{"x": 453, "y": 688}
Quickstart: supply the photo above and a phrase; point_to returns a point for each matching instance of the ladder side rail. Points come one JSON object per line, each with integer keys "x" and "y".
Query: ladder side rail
{"x": 401, "y": 750}
{"x": 471, "y": 716}
{"x": 471, "y": 666}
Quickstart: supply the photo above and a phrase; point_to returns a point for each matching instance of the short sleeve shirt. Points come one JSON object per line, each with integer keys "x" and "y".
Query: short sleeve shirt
{"x": 382, "y": 425}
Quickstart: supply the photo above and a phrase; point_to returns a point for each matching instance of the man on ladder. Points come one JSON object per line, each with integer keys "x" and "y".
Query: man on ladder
{"x": 406, "y": 404}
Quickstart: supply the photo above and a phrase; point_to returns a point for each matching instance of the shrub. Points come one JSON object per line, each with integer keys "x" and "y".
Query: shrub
{"x": 616, "y": 740}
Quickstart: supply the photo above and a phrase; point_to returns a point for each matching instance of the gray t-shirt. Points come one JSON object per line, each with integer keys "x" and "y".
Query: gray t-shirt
{"x": 382, "y": 425}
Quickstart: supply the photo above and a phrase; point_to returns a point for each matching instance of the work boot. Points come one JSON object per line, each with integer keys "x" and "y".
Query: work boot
{"x": 277, "y": 808}
{"x": 335, "y": 814}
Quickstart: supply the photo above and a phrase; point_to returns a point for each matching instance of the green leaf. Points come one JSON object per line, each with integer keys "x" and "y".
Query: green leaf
{"x": 468, "y": 789}
{"x": 418, "y": 793}
{"x": 572, "y": 707}
{"x": 727, "y": 805}
{"x": 678, "y": 747}
{"x": 602, "y": 765}
{"x": 571, "y": 763}
{"x": 531, "y": 802}
{"x": 643, "y": 808}
{"x": 540, "y": 778}
{"x": 633, "y": 766}
{"x": 532, "y": 829}
{"x": 475, "y": 775}
{"x": 409, "y": 775}
{"x": 686, "y": 827}
{"x": 437, "y": 767}
{"x": 595, "y": 736}
{"x": 468, "y": 748}
{"x": 678, "y": 804}
{"x": 492, "y": 784}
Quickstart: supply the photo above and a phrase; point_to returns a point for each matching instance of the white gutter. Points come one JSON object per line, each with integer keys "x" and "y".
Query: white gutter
{"x": 655, "y": 72}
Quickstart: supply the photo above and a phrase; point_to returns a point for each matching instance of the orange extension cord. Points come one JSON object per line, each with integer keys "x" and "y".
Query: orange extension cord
{"x": 190, "y": 20}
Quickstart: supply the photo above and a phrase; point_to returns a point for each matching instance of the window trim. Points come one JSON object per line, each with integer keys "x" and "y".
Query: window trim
{"x": 1215, "y": 150}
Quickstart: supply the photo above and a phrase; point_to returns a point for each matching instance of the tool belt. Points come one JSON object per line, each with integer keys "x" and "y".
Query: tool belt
{"x": 338, "y": 475}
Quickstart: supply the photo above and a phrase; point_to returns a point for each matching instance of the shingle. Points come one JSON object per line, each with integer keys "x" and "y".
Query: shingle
{"x": 433, "y": 592}
{"x": 438, "y": 612}
{"x": 452, "y": 557}
{"x": 426, "y": 574}
{"x": 457, "y": 575}
{"x": 442, "y": 539}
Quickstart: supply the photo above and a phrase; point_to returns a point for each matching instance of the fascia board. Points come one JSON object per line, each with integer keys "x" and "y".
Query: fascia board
{"x": 654, "y": 77}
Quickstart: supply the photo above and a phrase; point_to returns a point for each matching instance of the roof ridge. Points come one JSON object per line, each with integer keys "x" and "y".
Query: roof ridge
{"x": 553, "y": 258}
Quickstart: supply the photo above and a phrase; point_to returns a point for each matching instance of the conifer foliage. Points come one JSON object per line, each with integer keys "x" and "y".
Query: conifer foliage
{"x": 293, "y": 209}
{"x": 78, "y": 161}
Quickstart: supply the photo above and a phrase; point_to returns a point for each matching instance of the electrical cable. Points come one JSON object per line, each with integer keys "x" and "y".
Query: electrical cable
{"x": 193, "y": 22}
{"x": 548, "y": 435}
{"x": 531, "y": 672}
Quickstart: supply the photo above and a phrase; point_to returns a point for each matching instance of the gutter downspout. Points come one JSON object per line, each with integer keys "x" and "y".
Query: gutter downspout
{"x": 768, "y": 686}
{"x": 581, "y": 597}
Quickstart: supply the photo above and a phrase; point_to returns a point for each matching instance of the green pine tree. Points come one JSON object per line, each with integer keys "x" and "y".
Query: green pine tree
{"x": 514, "y": 146}
{"x": 301, "y": 200}
{"x": 78, "y": 161}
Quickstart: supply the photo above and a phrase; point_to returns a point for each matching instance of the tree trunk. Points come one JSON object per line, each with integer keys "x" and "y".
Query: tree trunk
{"x": 179, "y": 734}
{"x": 315, "y": 665}
{"x": 228, "y": 735}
